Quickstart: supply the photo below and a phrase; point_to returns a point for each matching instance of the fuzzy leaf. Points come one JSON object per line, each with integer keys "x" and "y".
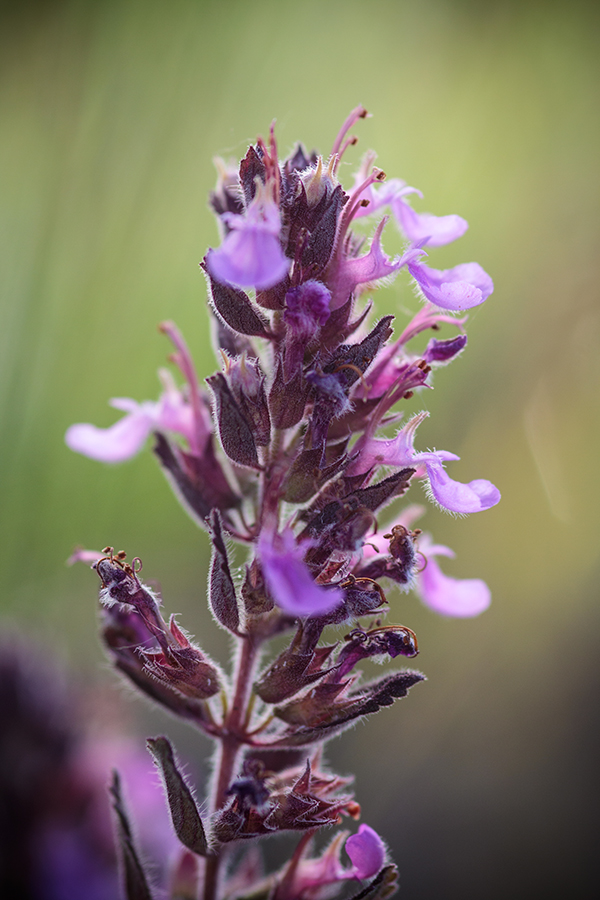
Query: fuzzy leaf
{"x": 287, "y": 401}
{"x": 235, "y": 432}
{"x": 377, "y": 495}
{"x": 251, "y": 167}
{"x": 135, "y": 883}
{"x": 184, "y": 812}
{"x": 320, "y": 244}
{"x": 200, "y": 485}
{"x": 306, "y": 476}
{"x": 360, "y": 355}
{"x": 331, "y": 717}
{"x": 236, "y": 309}
{"x": 221, "y": 589}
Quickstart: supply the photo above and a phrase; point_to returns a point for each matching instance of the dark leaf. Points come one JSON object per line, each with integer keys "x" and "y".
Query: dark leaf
{"x": 320, "y": 244}
{"x": 226, "y": 201}
{"x": 306, "y": 476}
{"x": 274, "y": 298}
{"x": 236, "y": 309}
{"x": 296, "y": 667}
{"x": 332, "y": 717}
{"x": 221, "y": 589}
{"x": 384, "y": 885}
{"x": 299, "y": 159}
{"x": 231, "y": 342}
{"x": 376, "y": 495}
{"x": 196, "y": 711}
{"x": 184, "y": 812}
{"x": 335, "y": 329}
{"x": 135, "y": 883}
{"x": 235, "y": 432}
{"x": 257, "y": 599}
{"x": 287, "y": 400}
{"x": 251, "y": 168}
{"x": 360, "y": 355}
{"x": 200, "y": 484}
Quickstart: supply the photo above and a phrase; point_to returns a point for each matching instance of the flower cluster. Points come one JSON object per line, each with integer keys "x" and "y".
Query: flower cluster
{"x": 284, "y": 453}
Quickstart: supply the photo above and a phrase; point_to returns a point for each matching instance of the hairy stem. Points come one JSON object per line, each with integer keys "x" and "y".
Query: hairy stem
{"x": 232, "y": 739}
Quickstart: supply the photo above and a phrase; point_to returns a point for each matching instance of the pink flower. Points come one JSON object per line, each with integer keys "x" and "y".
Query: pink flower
{"x": 126, "y": 437}
{"x": 457, "y": 597}
{"x": 399, "y": 452}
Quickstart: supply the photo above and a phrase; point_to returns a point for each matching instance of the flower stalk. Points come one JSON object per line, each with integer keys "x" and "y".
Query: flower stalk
{"x": 282, "y": 453}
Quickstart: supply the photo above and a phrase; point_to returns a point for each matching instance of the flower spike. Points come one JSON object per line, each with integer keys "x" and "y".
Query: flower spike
{"x": 292, "y": 455}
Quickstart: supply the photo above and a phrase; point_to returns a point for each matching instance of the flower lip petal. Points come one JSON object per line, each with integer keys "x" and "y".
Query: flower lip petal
{"x": 367, "y": 852}
{"x": 112, "y": 445}
{"x": 438, "y": 230}
{"x": 462, "y": 287}
{"x": 457, "y": 497}
{"x": 249, "y": 257}
{"x": 456, "y": 597}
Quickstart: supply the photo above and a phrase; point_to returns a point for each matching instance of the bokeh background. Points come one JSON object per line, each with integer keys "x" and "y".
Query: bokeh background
{"x": 483, "y": 780}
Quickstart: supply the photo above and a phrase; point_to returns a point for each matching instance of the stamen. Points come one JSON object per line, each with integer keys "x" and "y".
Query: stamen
{"x": 359, "y": 112}
{"x": 358, "y": 371}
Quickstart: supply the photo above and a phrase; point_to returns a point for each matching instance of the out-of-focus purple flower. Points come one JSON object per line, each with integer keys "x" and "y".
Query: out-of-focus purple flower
{"x": 436, "y": 230}
{"x": 119, "y": 442}
{"x": 367, "y": 852}
{"x": 457, "y": 597}
{"x": 288, "y": 578}
{"x": 399, "y": 451}
{"x": 251, "y": 254}
{"x": 126, "y": 437}
{"x": 462, "y": 287}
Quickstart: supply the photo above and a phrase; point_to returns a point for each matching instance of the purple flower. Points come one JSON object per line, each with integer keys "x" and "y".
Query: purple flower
{"x": 251, "y": 254}
{"x": 307, "y": 309}
{"x": 374, "y": 265}
{"x": 127, "y": 436}
{"x": 399, "y": 452}
{"x": 289, "y": 579}
{"x": 462, "y": 287}
{"x": 439, "y": 353}
{"x": 460, "y": 498}
{"x": 367, "y": 852}
{"x": 418, "y": 227}
{"x": 458, "y": 597}
{"x": 312, "y": 877}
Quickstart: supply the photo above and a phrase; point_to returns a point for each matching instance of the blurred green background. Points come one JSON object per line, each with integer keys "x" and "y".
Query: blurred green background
{"x": 482, "y": 781}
